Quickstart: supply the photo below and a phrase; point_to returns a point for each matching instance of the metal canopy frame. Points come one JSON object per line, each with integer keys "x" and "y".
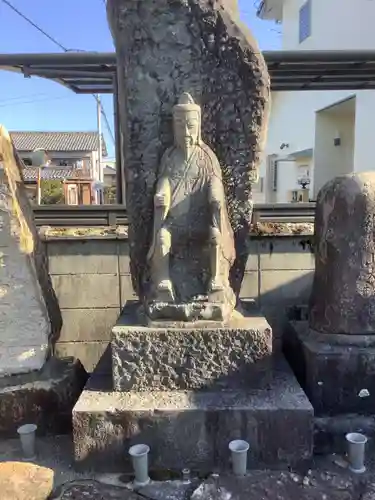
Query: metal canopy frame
{"x": 94, "y": 72}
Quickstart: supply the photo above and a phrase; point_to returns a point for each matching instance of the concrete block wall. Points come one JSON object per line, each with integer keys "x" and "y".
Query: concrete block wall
{"x": 279, "y": 274}
{"x": 92, "y": 282}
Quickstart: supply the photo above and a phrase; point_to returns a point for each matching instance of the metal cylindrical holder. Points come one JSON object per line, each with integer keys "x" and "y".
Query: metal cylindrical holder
{"x": 239, "y": 449}
{"x": 356, "y": 443}
{"x": 139, "y": 454}
{"x": 27, "y": 437}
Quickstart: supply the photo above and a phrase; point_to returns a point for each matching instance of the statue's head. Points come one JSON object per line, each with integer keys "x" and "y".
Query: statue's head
{"x": 187, "y": 122}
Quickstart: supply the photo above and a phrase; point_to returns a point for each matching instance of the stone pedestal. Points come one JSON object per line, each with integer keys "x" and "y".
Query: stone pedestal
{"x": 336, "y": 371}
{"x": 197, "y": 356}
{"x": 45, "y": 398}
{"x": 187, "y": 394}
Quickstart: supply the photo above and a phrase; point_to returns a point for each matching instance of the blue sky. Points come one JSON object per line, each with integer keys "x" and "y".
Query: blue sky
{"x": 38, "y": 104}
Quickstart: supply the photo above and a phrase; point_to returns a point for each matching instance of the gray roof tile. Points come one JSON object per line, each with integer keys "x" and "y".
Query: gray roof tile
{"x": 57, "y": 141}
{"x": 52, "y": 173}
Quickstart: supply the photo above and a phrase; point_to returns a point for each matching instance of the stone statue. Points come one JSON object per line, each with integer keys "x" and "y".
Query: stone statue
{"x": 192, "y": 247}
{"x": 167, "y": 48}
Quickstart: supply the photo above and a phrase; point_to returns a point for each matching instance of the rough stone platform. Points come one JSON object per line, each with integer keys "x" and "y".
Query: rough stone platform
{"x": 336, "y": 371}
{"x": 44, "y": 397}
{"x": 192, "y": 428}
{"x": 194, "y": 356}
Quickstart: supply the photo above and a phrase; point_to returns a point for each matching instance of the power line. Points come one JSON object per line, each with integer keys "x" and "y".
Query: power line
{"x": 22, "y": 97}
{"x": 33, "y": 101}
{"x": 34, "y": 25}
{"x": 107, "y": 123}
{"x": 65, "y": 49}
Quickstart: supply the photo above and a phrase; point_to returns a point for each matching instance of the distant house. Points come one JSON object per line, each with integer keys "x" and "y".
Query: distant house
{"x": 109, "y": 172}
{"x": 109, "y": 175}
{"x": 73, "y": 160}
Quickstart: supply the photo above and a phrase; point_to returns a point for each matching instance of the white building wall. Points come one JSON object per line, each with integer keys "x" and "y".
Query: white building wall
{"x": 292, "y": 122}
{"x": 335, "y": 25}
{"x": 330, "y": 160}
{"x": 364, "y": 132}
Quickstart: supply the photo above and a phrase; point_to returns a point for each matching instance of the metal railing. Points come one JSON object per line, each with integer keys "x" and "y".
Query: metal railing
{"x": 112, "y": 215}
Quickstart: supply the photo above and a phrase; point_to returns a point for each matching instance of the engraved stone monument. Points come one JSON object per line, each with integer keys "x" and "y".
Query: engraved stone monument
{"x": 34, "y": 386}
{"x": 191, "y": 364}
{"x": 30, "y": 317}
{"x": 337, "y": 346}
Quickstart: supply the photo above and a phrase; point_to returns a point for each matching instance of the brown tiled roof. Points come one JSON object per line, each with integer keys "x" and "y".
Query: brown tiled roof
{"x": 52, "y": 173}
{"x": 57, "y": 141}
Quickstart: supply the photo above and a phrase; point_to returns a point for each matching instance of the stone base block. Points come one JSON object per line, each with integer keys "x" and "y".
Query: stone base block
{"x": 45, "y": 398}
{"x": 330, "y": 432}
{"x": 207, "y": 357}
{"x": 337, "y": 375}
{"x": 193, "y": 429}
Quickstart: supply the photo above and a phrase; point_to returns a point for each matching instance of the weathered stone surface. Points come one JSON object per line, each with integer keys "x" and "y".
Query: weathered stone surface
{"x": 45, "y": 398}
{"x": 30, "y": 319}
{"x": 343, "y": 295}
{"x": 330, "y": 432}
{"x": 21, "y": 481}
{"x": 169, "y": 490}
{"x": 278, "y": 485}
{"x": 93, "y": 490}
{"x": 193, "y": 428}
{"x": 230, "y": 356}
{"x": 198, "y": 46}
{"x": 337, "y": 377}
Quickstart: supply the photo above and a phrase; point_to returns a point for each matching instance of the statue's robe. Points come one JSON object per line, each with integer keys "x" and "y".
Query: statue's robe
{"x": 195, "y": 183}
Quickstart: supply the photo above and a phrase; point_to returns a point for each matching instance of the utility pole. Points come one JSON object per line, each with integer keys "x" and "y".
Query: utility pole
{"x": 99, "y": 195}
{"x": 39, "y": 185}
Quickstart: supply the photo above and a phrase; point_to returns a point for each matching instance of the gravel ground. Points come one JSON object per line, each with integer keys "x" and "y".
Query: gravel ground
{"x": 325, "y": 479}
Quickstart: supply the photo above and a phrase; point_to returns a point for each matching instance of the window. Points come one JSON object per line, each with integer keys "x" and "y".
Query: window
{"x": 72, "y": 194}
{"x": 305, "y": 21}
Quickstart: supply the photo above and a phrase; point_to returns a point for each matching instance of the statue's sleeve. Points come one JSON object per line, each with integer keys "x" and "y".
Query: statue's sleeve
{"x": 214, "y": 162}
{"x": 163, "y": 170}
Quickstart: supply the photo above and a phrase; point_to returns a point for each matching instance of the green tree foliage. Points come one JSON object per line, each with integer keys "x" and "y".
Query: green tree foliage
{"x": 52, "y": 192}
{"x": 109, "y": 194}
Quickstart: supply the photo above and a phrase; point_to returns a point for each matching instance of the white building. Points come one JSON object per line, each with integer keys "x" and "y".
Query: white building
{"x": 319, "y": 134}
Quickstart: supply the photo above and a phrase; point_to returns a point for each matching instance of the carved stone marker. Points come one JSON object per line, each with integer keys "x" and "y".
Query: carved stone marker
{"x": 34, "y": 386}
{"x": 338, "y": 345}
{"x": 29, "y": 314}
{"x": 343, "y": 294}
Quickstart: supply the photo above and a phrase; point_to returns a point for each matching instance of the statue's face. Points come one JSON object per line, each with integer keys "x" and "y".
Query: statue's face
{"x": 186, "y": 129}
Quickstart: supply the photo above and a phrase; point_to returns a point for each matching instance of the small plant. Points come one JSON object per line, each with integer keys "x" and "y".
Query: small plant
{"x": 52, "y": 192}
